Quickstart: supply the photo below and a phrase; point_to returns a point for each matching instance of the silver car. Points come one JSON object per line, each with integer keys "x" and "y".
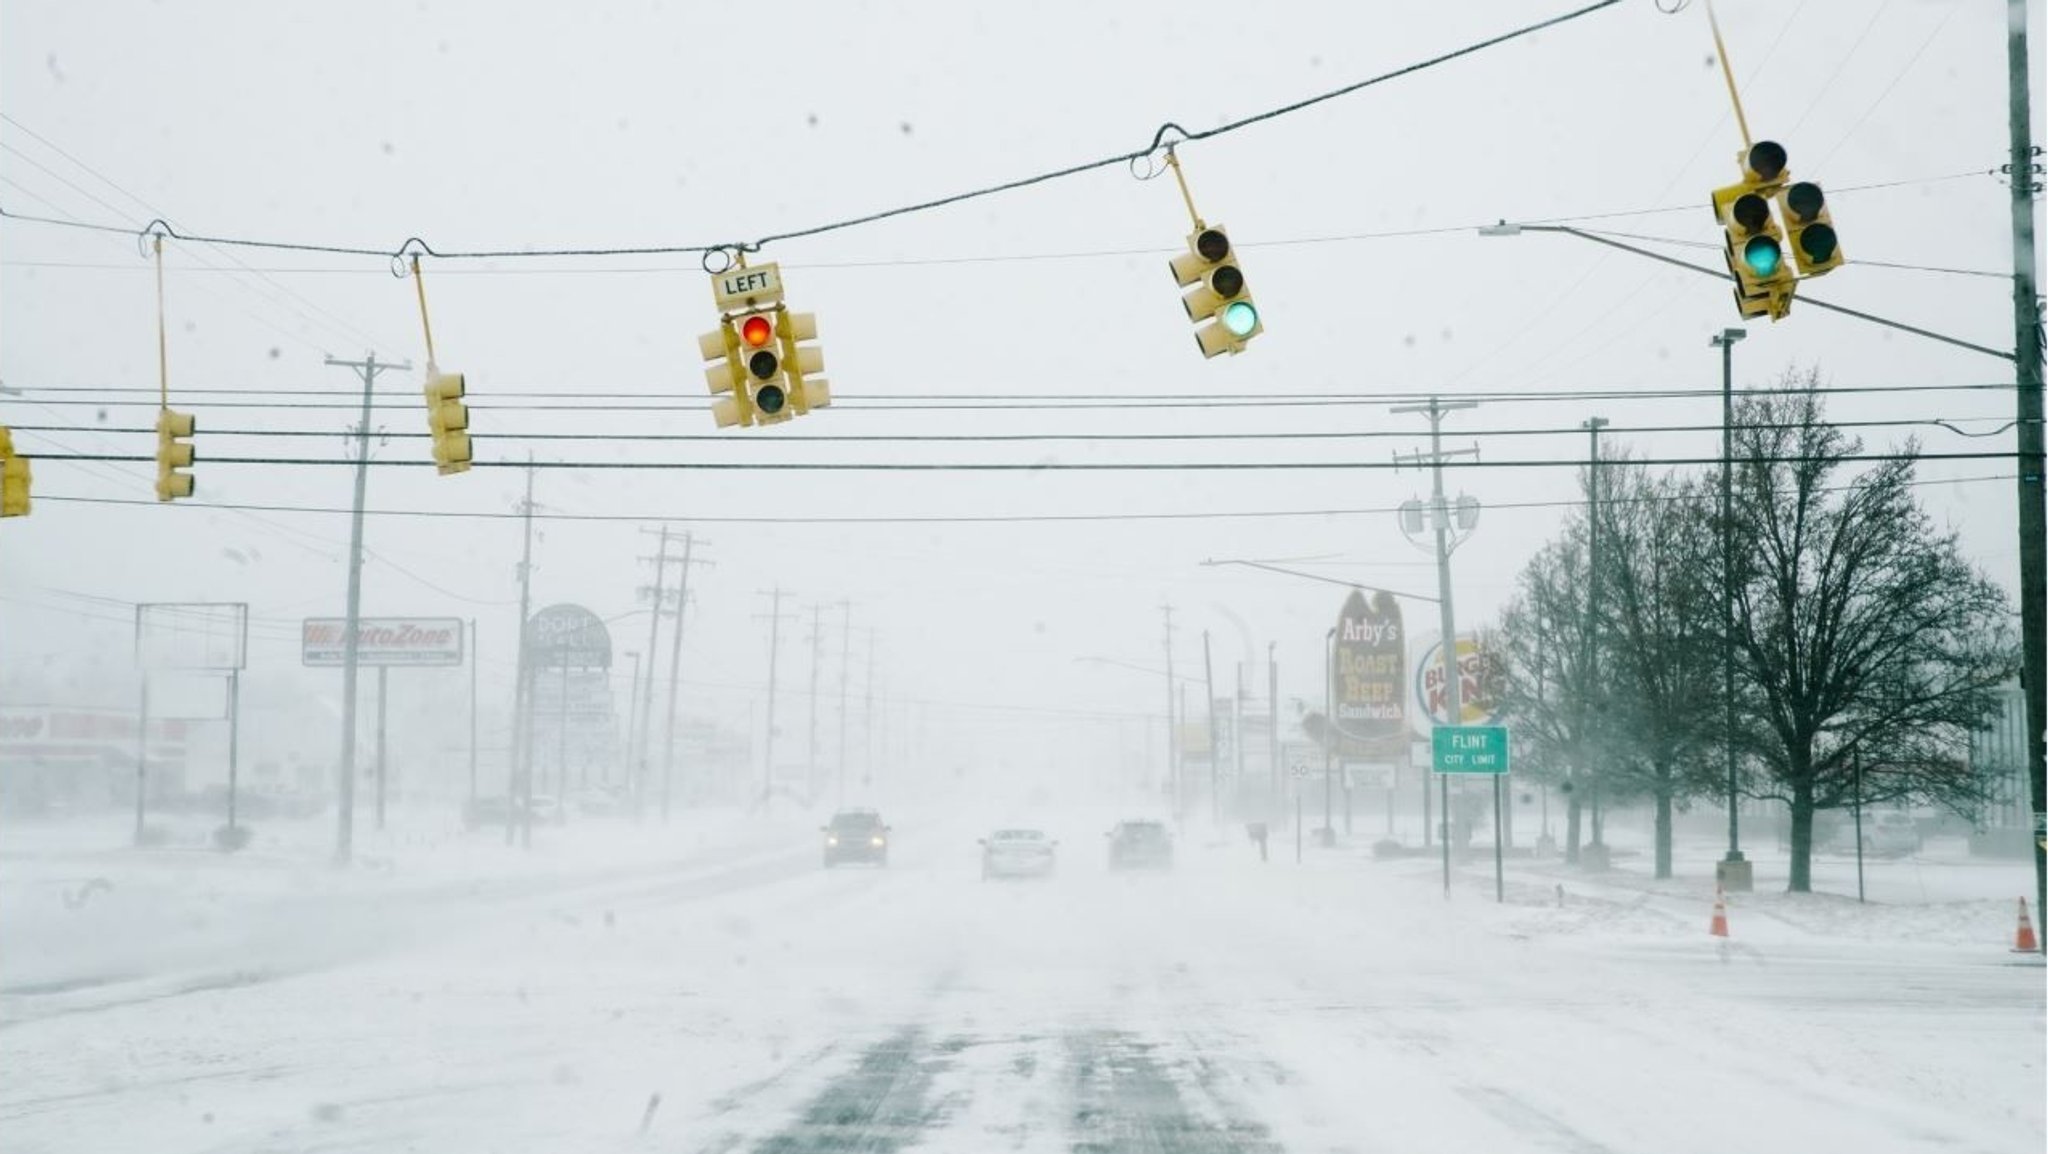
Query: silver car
{"x": 1017, "y": 853}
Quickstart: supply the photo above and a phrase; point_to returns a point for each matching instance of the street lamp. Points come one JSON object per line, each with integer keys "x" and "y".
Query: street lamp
{"x": 1733, "y": 872}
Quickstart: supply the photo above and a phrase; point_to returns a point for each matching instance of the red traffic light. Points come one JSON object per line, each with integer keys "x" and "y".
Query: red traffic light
{"x": 756, "y": 331}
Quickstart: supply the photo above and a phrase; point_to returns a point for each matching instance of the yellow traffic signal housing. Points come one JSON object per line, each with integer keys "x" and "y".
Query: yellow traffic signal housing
{"x": 173, "y": 453}
{"x": 803, "y": 363}
{"x": 1812, "y": 231}
{"x": 1220, "y": 304}
{"x": 1752, "y": 244}
{"x": 720, "y": 348}
{"x": 448, "y": 420}
{"x": 765, "y": 367}
{"x": 14, "y": 478}
{"x": 761, "y": 365}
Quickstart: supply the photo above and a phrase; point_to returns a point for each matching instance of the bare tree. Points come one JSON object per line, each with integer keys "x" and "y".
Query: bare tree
{"x": 1859, "y": 626}
{"x": 1660, "y": 628}
{"x": 1544, "y": 687}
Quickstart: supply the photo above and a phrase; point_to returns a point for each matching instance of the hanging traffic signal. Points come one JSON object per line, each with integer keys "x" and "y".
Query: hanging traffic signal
{"x": 173, "y": 453}
{"x": 1221, "y": 305}
{"x": 14, "y": 477}
{"x": 448, "y": 420}
{"x": 758, "y": 357}
{"x": 1810, "y": 229}
{"x": 1752, "y": 244}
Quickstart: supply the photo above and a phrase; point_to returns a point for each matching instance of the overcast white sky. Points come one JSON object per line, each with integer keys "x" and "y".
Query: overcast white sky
{"x": 492, "y": 126}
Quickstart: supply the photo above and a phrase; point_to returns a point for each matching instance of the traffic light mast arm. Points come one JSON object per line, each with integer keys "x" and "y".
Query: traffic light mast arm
{"x": 426, "y": 328}
{"x": 1728, "y": 72}
{"x": 1505, "y": 229}
{"x": 1173, "y": 162}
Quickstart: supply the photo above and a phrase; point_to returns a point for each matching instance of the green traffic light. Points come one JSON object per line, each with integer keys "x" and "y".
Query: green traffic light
{"x": 1240, "y": 318}
{"x": 1762, "y": 255}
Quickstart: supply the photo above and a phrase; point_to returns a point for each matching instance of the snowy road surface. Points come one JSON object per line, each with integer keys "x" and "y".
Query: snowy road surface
{"x": 746, "y": 1000}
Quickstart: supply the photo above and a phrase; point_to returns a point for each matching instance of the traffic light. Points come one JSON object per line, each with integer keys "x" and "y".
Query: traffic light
{"x": 1220, "y": 304}
{"x": 760, "y": 357}
{"x": 173, "y": 452}
{"x": 761, "y": 360}
{"x": 1753, "y": 246}
{"x": 14, "y": 478}
{"x": 448, "y": 420}
{"x": 1810, "y": 228}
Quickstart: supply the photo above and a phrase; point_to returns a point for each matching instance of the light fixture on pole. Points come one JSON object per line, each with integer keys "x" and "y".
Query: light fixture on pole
{"x": 1733, "y": 871}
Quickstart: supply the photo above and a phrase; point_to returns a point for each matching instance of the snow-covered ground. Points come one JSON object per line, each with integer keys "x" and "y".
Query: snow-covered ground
{"x": 709, "y": 988}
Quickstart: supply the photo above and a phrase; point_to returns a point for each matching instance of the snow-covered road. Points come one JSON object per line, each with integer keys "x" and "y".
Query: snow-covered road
{"x": 738, "y": 998}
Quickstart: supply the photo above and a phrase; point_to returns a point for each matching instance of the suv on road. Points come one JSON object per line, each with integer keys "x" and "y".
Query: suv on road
{"x": 856, "y": 835}
{"x": 1140, "y": 844}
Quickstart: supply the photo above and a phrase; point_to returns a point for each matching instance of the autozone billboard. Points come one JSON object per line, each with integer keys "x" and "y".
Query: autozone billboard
{"x": 383, "y": 641}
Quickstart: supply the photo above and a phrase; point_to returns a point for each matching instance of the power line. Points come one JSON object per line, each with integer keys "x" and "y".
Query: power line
{"x": 109, "y": 397}
{"x": 918, "y": 262}
{"x": 882, "y": 519}
{"x": 1020, "y": 466}
{"x": 1945, "y": 423}
{"x": 976, "y": 258}
{"x": 1160, "y": 140}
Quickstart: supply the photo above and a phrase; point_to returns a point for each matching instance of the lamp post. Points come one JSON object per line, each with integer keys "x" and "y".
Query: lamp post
{"x": 1733, "y": 871}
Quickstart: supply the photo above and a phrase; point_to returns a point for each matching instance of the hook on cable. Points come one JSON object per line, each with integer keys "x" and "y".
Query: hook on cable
{"x": 1150, "y": 157}
{"x": 153, "y": 233}
{"x": 413, "y": 248}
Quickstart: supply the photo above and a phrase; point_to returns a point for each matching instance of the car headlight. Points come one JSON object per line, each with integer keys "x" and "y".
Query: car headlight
{"x": 831, "y": 841}
{"x": 877, "y": 841}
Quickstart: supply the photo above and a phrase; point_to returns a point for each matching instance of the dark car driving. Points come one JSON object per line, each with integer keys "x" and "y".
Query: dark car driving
{"x": 1140, "y": 844}
{"x": 856, "y": 835}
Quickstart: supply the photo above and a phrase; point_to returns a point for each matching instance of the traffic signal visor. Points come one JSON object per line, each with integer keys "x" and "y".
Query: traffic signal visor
{"x": 173, "y": 453}
{"x": 1811, "y": 230}
{"x": 1219, "y": 303}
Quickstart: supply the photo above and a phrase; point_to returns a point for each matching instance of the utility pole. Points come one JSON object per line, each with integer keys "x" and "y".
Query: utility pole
{"x": 774, "y": 650}
{"x": 1590, "y": 651}
{"x": 845, "y": 657}
{"x": 811, "y": 782}
{"x": 1447, "y": 647}
{"x": 2023, "y": 173}
{"x": 345, "y": 813}
{"x": 1215, "y": 761}
{"x": 522, "y": 690}
{"x": 1174, "y": 765}
{"x": 639, "y": 761}
{"x": 675, "y": 671}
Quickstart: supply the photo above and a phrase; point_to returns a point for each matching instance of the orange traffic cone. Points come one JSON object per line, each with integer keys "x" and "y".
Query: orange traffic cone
{"x": 2024, "y": 941}
{"x": 1719, "y": 926}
